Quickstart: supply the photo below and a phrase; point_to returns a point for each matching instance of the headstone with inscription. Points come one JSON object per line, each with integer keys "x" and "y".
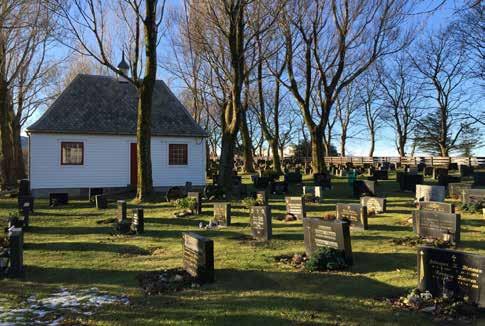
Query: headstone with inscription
{"x": 437, "y": 225}
{"x": 465, "y": 170}
{"x": 138, "y": 224}
{"x": 318, "y": 192}
{"x": 16, "y": 255}
{"x": 309, "y": 190}
{"x": 478, "y": 179}
{"x": 408, "y": 182}
{"x": 455, "y": 189}
{"x": 198, "y": 257}
{"x": 376, "y": 204}
{"x": 355, "y": 214}
{"x": 295, "y": 206}
{"x": 293, "y": 177}
{"x": 436, "y": 206}
{"x": 58, "y": 198}
{"x": 437, "y": 172}
{"x": 122, "y": 225}
{"x": 198, "y": 201}
{"x": 380, "y": 174}
{"x": 21, "y": 200}
{"x": 473, "y": 196}
{"x": 323, "y": 233}
{"x": 451, "y": 273}
{"x": 260, "y": 220}
{"x": 222, "y": 213}
{"x": 430, "y": 193}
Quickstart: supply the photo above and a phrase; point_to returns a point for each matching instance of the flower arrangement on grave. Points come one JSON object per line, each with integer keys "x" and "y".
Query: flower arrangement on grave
{"x": 249, "y": 202}
{"x": 326, "y": 258}
{"x": 187, "y": 205}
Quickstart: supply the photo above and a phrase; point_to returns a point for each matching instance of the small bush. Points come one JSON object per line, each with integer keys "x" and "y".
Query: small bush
{"x": 472, "y": 208}
{"x": 248, "y": 202}
{"x": 326, "y": 258}
{"x": 186, "y": 203}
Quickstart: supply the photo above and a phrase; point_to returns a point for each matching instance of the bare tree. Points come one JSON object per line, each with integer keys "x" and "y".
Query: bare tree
{"x": 346, "y": 109}
{"x": 342, "y": 39}
{"x": 400, "y": 96}
{"x": 443, "y": 67}
{"x": 85, "y": 22}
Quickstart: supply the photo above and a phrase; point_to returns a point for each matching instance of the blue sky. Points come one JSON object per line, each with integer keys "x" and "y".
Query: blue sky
{"x": 359, "y": 145}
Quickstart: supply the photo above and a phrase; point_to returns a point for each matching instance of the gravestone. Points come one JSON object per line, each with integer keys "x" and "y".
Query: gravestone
{"x": 198, "y": 257}
{"x": 437, "y": 225}
{"x": 323, "y": 180}
{"x": 430, "y": 193}
{"x": 188, "y": 187}
{"x": 436, "y": 206}
{"x": 59, "y": 198}
{"x": 174, "y": 193}
{"x": 428, "y": 171}
{"x": 24, "y": 187}
{"x": 465, "y": 170}
{"x": 355, "y": 214}
{"x": 279, "y": 187}
{"x": 478, "y": 179}
{"x": 376, "y": 204}
{"x": 260, "y": 220}
{"x": 380, "y": 174}
{"x": 21, "y": 200}
{"x": 363, "y": 188}
{"x": 198, "y": 201}
{"x": 451, "y": 273}
{"x": 293, "y": 177}
{"x": 295, "y": 206}
{"x": 322, "y": 233}
{"x": 455, "y": 189}
{"x": 222, "y": 213}
{"x": 260, "y": 182}
{"x": 26, "y": 215}
{"x": 444, "y": 180}
{"x": 473, "y": 196}
{"x": 262, "y": 198}
{"x": 93, "y": 192}
{"x": 122, "y": 225}
{"x": 408, "y": 182}
{"x": 101, "y": 201}
{"x": 437, "y": 172}
{"x": 16, "y": 256}
{"x": 138, "y": 224}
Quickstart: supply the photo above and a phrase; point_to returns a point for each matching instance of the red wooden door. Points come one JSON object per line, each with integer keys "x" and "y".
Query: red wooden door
{"x": 133, "y": 165}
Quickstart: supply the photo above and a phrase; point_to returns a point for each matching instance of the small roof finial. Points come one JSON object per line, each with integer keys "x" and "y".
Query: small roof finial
{"x": 123, "y": 66}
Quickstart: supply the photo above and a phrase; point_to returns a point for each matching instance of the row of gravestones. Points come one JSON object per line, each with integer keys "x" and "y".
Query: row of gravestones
{"x": 440, "y": 271}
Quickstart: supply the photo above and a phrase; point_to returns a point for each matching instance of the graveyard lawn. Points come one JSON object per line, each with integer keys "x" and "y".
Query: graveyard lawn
{"x": 65, "y": 247}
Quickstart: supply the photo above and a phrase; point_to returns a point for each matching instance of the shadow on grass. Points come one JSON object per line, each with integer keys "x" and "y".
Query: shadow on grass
{"x": 365, "y": 262}
{"x": 87, "y": 246}
{"x": 472, "y": 222}
{"x": 76, "y": 230}
{"x": 387, "y": 227}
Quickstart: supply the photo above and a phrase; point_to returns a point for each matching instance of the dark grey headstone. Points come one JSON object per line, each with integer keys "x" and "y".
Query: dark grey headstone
{"x": 101, "y": 202}
{"x": 479, "y": 179}
{"x": 380, "y": 175}
{"x": 295, "y": 206}
{"x": 93, "y": 192}
{"x": 376, "y": 204}
{"x": 222, "y": 213}
{"x": 437, "y": 172}
{"x": 198, "y": 201}
{"x": 260, "y": 220}
{"x": 16, "y": 243}
{"x": 465, "y": 170}
{"x": 293, "y": 177}
{"x": 408, "y": 182}
{"x": 323, "y": 180}
{"x": 58, "y": 198}
{"x": 437, "y": 225}
{"x": 436, "y": 206}
{"x": 24, "y": 187}
{"x": 355, "y": 214}
{"x": 430, "y": 193}
{"x": 452, "y": 273}
{"x": 364, "y": 188}
{"x": 322, "y": 233}
{"x": 21, "y": 200}
{"x": 198, "y": 257}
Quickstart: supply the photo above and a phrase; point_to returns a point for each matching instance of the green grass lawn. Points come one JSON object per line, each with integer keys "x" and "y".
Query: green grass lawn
{"x": 65, "y": 247}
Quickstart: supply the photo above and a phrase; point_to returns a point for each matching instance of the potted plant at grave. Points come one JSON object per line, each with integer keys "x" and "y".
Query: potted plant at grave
{"x": 329, "y": 216}
{"x": 326, "y": 258}
{"x": 187, "y": 205}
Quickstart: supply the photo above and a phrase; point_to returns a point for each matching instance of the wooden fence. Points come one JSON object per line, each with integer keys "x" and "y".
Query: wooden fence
{"x": 429, "y": 161}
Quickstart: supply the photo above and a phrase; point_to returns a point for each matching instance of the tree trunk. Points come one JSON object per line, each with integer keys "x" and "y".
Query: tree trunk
{"x": 226, "y": 164}
{"x": 372, "y": 143}
{"x": 20, "y": 172}
{"x": 248, "y": 158}
{"x": 276, "y": 156}
{"x": 7, "y": 173}
{"x": 343, "y": 140}
{"x": 144, "y": 112}
{"x": 318, "y": 165}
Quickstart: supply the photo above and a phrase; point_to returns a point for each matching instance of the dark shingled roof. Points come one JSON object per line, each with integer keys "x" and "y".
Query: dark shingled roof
{"x": 105, "y": 105}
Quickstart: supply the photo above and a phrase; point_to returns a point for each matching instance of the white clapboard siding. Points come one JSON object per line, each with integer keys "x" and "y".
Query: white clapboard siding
{"x": 107, "y": 162}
